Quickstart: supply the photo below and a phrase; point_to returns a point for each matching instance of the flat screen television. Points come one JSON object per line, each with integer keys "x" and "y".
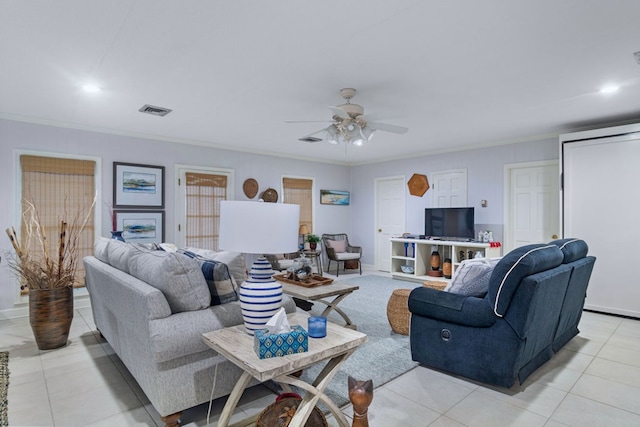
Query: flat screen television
{"x": 453, "y": 223}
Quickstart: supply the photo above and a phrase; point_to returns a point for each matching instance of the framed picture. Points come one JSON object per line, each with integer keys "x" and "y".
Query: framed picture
{"x": 144, "y": 226}
{"x": 334, "y": 197}
{"x": 136, "y": 186}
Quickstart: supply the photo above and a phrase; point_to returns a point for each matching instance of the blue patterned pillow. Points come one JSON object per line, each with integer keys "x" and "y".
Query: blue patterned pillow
{"x": 221, "y": 284}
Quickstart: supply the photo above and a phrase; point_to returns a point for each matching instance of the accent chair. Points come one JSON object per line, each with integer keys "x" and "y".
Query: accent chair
{"x": 338, "y": 249}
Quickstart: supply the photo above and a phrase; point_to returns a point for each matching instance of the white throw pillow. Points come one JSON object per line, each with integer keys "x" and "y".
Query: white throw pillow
{"x": 472, "y": 276}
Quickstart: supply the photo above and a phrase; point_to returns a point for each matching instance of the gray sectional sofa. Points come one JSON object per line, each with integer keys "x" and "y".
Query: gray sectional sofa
{"x": 152, "y": 307}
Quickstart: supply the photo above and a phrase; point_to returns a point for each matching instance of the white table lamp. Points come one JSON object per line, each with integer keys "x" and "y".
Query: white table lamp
{"x": 259, "y": 228}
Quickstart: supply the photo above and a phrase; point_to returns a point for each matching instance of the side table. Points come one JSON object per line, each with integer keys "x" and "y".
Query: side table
{"x": 337, "y": 290}
{"x": 237, "y": 346}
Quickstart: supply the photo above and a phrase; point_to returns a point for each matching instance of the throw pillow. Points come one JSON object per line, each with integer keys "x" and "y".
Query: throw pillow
{"x": 222, "y": 286}
{"x": 178, "y": 277}
{"x": 471, "y": 278}
{"x": 118, "y": 253}
{"x": 101, "y": 249}
{"x": 338, "y": 245}
{"x": 233, "y": 260}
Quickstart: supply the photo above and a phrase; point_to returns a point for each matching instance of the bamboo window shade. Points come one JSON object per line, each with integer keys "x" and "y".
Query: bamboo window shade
{"x": 204, "y": 193}
{"x": 60, "y": 188}
{"x": 299, "y": 191}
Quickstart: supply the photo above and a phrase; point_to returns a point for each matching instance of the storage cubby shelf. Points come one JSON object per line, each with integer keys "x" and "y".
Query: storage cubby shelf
{"x": 421, "y": 256}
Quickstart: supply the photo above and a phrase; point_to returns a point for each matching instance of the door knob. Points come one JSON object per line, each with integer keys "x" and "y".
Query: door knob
{"x": 555, "y": 236}
{"x": 379, "y": 230}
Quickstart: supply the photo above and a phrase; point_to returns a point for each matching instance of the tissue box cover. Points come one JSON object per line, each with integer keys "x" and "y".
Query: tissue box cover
{"x": 269, "y": 345}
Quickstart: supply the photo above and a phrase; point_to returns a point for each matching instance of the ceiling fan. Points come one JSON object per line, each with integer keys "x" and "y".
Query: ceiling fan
{"x": 350, "y": 124}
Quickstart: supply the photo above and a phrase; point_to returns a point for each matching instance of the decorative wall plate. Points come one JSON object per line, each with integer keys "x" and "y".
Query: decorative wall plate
{"x": 269, "y": 195}
{"x": 418, "y": 185}
{"x": 250, "y": 188}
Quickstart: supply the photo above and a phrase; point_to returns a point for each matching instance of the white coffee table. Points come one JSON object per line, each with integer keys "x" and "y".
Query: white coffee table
{"x": 237, "y": 346}
{"x": 338, "y": 290}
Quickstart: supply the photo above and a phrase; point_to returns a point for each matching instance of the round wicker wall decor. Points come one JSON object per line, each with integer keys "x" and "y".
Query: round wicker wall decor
{"x": 269, "y": 195}
{"x": 250, "y": 188}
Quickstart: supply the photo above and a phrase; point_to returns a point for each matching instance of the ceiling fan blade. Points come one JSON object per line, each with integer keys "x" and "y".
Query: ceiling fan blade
{"x": 308, "y": 121}
{"x": 387, "y": 128}
{"x": 374, "y": 117}
{"x": 340, "y": 112}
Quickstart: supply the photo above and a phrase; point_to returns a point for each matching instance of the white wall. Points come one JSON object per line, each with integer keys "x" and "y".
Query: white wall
{"x": 485, "y": 168}
{"x": 485, "y": 176}
{"x": 265, "y": 169}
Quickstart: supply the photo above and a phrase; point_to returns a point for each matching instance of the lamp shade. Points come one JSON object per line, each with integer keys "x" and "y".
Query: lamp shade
{"x": 258, "y": 227}
{"x": 303, "y": 229}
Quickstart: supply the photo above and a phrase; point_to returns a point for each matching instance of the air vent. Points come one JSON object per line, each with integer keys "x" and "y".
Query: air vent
{"x": 310, "y": 139}
{"x": 637, "y": 56}
{"x": 155, "y": 111}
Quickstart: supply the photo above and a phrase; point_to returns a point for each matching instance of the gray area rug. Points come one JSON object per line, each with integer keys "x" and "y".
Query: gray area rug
{"x": 385, "y": 355}
{"x": 4, "y": 388}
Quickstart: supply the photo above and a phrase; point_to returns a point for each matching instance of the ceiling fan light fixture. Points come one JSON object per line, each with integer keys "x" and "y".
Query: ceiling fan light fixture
{"x": 332, "y": 134}
{"x": 367, "y": 133}
{"x": 351, "y": 125}
{"x": 358, "y": 141}
{"x": 352, "y": 130}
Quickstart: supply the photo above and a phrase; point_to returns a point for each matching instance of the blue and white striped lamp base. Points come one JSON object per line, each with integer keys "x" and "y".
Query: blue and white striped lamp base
{"x": 260, "y": 296}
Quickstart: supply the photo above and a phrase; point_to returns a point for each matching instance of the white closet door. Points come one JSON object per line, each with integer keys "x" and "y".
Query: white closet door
{"x": 601, "y": 204}
{"x": 390, "y": 214}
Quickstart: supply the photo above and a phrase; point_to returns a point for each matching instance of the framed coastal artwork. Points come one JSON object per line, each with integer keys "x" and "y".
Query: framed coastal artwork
{"x": 334, "y": 197}
{"x": 138, "y": 186}
{"x": 140, "y": 226}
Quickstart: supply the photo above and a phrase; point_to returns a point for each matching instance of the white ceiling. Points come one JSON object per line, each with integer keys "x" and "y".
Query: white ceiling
{"x": 457, "y": 73}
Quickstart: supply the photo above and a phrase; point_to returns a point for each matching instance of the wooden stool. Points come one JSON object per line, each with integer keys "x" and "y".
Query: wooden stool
{"x": 398, "y": 311}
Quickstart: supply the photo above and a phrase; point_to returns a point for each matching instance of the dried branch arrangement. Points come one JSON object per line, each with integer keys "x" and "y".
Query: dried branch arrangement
{"x": 34, "y": 263}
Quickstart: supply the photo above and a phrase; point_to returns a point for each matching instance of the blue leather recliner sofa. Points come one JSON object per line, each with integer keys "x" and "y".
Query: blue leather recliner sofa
{"x": 532, "y": 308}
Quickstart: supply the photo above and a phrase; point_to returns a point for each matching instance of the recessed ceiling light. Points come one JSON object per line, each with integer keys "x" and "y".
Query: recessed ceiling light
{"x": 91, "y": 88}
{"x": 609, "y": 89}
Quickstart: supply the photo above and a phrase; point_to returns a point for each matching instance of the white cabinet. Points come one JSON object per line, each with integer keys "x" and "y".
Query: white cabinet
{"x": 417, "y": 254}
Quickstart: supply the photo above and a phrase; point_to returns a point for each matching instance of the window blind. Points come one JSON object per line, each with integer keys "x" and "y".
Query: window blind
{"x": 204, "y": 192}
{"x": 299, "y": 191}
{"x": 60, "y": 188}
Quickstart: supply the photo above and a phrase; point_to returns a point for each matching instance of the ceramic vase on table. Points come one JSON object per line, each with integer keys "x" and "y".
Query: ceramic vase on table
{"x": 117, "y": 235}
{"x": 260, "y": 296}
{"x": 435, "y": 260}
{"x": 446, "y": 268}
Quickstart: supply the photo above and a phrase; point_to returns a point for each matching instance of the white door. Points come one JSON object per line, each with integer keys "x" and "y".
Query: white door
{"x": 449, "y": 189}
{"x": 532, "y": 203}
{"x": 390, "y": 220}
{"x": 601, "y": 206}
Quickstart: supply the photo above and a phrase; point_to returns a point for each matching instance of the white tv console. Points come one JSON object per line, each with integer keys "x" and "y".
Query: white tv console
{"x": 417, "y": 253}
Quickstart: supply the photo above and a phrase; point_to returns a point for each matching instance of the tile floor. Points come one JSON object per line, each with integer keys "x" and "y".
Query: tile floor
{"x": 593, "y": 381}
